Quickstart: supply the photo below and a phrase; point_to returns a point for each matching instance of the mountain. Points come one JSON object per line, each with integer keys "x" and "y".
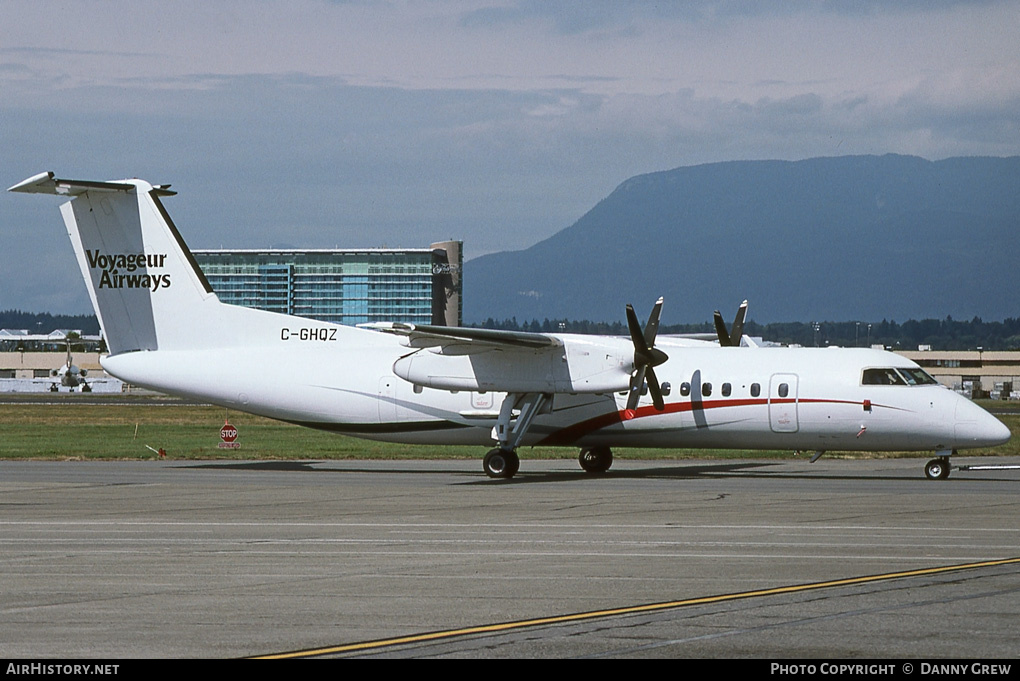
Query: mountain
{"x": 856, "y": 237}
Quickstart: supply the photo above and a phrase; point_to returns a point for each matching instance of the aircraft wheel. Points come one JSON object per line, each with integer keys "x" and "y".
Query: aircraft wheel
{"x": 937, "y": 469}
{"x": 501, "y": 463}
{"x": 513, "y": 464}
{"x": 596, "y": 459}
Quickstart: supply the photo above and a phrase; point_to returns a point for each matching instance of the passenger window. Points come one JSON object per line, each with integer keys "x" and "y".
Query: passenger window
{"x": 665, "y": 388}
{"x": 706, "y": 389}
{"x": 685, "y": 389}
{"x": 755, "y": 390}
{"x": 784, "y": 389}
{"x": 726, "y": 389}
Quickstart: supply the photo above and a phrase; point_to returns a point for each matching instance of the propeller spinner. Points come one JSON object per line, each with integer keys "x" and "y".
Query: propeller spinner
{"x": 646, "y": 357}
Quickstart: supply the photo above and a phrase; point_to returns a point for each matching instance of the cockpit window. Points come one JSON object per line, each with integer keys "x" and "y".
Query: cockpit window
{"x": 881, "y": 377}
{"x": 917, "y": 377}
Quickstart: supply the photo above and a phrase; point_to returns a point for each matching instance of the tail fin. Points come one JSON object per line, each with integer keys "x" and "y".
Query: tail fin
{"x": 145, "y": 285}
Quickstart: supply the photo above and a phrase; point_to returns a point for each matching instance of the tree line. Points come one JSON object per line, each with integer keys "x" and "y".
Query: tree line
{"x": 44, "y": 322}
{"x": 940, "y": 334}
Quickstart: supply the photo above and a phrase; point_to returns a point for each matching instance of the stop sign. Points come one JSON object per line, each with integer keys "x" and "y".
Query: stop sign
{"x": 228, "y": 433}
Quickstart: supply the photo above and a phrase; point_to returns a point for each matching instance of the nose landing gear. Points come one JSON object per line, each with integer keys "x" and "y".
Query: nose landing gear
{"x": 937, "y": 469}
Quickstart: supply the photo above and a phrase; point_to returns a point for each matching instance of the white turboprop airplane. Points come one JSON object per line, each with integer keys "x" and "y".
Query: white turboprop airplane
{"x": 167, "y": 330}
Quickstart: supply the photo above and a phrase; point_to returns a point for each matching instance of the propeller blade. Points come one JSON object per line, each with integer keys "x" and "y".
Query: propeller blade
{"x": 636, "y": 383}
{"x": 652, "y": 327}
{"x": 738, "y": 324}
{"x": 720, "y": 330}
{"x": 655, "y": 389}
{"x": 636, "y": 335}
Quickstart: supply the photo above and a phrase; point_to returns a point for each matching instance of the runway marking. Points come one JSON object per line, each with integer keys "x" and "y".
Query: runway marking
{"x": 630, "y": 610}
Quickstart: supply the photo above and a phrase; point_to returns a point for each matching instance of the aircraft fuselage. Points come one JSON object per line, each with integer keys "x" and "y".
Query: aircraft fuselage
{"x": 719, "y": 397}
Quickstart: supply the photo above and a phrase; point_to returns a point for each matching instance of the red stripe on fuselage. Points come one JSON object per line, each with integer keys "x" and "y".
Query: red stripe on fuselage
{"x": 572, "y": 433}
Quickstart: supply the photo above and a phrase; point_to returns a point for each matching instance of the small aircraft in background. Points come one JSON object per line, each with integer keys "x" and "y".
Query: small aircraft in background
{"x": 166, "y": 330}
{"x": 69, "y": 375}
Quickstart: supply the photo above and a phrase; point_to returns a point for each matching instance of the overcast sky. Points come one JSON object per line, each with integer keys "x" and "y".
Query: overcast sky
{"x": 312, "y": 123}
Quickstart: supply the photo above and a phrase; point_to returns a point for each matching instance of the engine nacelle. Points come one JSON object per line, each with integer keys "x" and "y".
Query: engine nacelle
{"x": 578, "y": 366}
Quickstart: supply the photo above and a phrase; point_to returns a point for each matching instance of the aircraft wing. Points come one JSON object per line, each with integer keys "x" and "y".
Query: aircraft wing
{"x": 457, "y": 358}
{"x": 429, "y": 336}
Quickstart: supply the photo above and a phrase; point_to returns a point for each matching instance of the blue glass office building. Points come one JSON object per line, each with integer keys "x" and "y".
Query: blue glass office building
{"x": 415, "y": 286}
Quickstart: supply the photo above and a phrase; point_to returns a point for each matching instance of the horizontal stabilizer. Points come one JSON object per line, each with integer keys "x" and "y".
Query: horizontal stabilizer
{"x": 46, "y": 183}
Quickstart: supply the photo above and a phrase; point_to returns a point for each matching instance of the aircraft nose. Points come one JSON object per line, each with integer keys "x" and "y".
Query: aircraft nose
{"x": 998, "y": 432}
{"x": 975, "y": 427}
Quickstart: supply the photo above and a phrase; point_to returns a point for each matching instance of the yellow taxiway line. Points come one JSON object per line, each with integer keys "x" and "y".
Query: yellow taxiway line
{"x": 629, "y": 610}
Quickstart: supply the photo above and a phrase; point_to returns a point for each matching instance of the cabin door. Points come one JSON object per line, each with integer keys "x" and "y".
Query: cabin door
{"x": 783, "y": 403}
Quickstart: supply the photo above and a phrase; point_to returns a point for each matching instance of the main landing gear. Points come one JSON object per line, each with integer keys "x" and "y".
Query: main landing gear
{"x": 596, "y": 459}
{"x": 501, "y": 463}
{"x": 515, "y": 417}
{"x": 504, "y": 463}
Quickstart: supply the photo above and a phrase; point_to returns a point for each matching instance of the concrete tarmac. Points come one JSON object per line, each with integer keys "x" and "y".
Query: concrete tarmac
{"x": 234, "y": 559}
